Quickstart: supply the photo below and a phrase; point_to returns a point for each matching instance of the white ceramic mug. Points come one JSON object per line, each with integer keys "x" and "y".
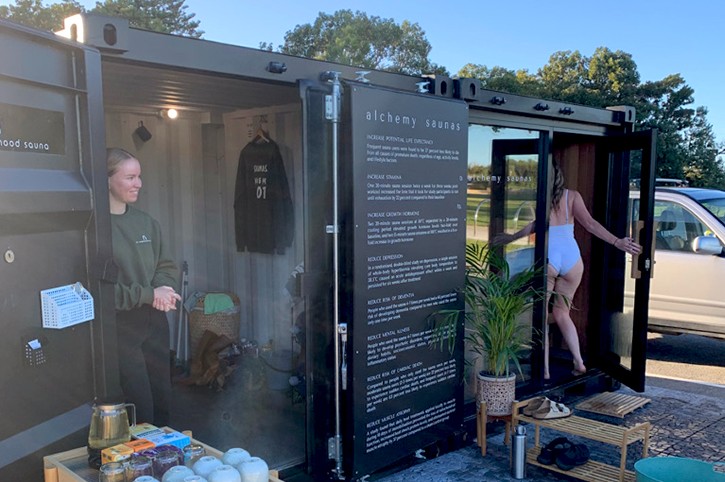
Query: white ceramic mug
{"x": 177, "y": 474}
{"x": 235, "y": 456}
{"x": 224, "y": 473}
{"x": 195, "y": 478}
{"x": 254, "y": 470}
{"x": 205, "y": 465}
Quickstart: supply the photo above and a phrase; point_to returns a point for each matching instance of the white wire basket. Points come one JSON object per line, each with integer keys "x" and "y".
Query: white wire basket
{"x": 66, "y": 306}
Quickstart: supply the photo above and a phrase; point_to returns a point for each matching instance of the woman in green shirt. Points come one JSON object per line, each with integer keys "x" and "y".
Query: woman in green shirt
{"x": 144, "y": 292}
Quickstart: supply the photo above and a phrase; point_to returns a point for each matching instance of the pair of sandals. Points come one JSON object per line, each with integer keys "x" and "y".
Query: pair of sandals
{"x": 564, "y": 453}
{"x": 542, "y": 408}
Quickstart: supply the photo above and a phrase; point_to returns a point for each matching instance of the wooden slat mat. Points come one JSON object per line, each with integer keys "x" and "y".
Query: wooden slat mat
{"x": 612, "y": 404}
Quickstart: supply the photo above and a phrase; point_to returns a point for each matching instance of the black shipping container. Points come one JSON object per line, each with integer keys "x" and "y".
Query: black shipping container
{"x": 334, "y": 205}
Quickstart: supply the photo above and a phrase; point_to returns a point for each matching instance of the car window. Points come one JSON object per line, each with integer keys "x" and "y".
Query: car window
{"x": 716, "y": 206}
{"x": 676, "y": 227}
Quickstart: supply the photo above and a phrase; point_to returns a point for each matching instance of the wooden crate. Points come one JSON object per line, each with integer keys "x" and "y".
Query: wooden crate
{"x": 72, "y": 466}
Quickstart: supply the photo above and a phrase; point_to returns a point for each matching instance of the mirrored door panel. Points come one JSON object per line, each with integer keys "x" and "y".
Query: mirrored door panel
{"x": 503, "y": 166}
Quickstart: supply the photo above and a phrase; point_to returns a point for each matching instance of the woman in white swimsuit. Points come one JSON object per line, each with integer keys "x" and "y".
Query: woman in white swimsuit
{"x": 565, "y": 265}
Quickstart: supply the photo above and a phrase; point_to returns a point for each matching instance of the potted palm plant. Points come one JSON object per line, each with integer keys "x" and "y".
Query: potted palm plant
{"x": 495, "y": 299}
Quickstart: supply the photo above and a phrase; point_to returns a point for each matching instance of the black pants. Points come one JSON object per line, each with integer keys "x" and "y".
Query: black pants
{"x": 144, "y": 359}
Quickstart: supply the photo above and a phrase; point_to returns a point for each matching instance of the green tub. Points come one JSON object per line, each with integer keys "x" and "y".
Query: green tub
{"x": 677, "y": 469}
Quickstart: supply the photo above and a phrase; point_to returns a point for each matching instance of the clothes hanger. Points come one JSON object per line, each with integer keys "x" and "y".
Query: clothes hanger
{"x": 261, "y": 134}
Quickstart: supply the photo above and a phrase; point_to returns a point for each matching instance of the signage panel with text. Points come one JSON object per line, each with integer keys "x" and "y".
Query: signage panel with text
{"x": 409, "y": 170}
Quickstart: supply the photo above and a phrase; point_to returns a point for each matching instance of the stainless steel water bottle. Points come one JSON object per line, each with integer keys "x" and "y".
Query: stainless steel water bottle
{"x": 518, "y": 453}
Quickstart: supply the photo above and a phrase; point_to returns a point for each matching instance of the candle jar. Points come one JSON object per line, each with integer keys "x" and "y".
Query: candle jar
{"x": 112, "y": 472}
{"x": 171, "y": 448}
{"x": 192, "y": 453}
{"x": 164, "y": 461}
{"x": 138, "y": 466}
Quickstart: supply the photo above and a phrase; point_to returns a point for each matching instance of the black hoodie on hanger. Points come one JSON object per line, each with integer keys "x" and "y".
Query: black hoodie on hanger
{"x": 263, "y": 216}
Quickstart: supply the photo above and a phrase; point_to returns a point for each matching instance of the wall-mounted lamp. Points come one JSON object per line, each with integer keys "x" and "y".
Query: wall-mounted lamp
{"x": 541, "y": 106}
{"x": 142, "y": 132}
{"x": 566, "y": 111}
{"x": 169, "y": 113}
{"x": 498, "y": 100}
{"x": 277, "y": 67}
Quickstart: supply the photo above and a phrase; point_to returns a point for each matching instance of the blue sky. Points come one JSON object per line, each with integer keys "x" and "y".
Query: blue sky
{"x": 663, "y": 37}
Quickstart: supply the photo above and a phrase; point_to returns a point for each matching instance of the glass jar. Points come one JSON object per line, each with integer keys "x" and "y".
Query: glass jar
{"x": 150, "y": 453}
{"x": 192, "y": 453}
{"x": 164, "y": 461}
{"x": 171, "y": 448}
{"x": 112, "y": 472}
{"x": 138, "y": 466}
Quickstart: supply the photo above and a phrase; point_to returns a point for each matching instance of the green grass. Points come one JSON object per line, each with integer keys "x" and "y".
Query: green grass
{"x": 512, "y": 205}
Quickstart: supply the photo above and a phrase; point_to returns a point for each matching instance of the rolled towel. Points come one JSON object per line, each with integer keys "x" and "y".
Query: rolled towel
{"x": 216, "y": 302}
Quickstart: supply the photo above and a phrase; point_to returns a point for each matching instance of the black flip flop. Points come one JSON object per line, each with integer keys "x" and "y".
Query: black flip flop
{"x": 572, "y": 456}
{"x": 550, "y": 451}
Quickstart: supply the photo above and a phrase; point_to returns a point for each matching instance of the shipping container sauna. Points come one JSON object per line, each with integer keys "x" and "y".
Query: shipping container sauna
{"x": 377, "y": 181}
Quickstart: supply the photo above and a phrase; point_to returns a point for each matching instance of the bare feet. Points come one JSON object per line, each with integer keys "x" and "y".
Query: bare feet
{"x": 579, "y": 369}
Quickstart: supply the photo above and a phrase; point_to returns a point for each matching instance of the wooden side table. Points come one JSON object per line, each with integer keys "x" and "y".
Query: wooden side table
{"x": 481, "y": 419}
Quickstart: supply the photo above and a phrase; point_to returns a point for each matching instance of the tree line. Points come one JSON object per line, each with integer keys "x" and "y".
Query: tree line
{"x": 167, "y": 16}
{"x": 686, "y": 145}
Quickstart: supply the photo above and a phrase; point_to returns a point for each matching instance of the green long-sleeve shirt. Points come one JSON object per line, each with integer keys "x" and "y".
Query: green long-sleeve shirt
{"x": 144, "y": 261}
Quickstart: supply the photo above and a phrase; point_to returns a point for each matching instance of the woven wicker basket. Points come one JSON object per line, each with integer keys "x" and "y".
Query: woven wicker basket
{"x": 222, "y": 323}
{"x": 497, "y": 392}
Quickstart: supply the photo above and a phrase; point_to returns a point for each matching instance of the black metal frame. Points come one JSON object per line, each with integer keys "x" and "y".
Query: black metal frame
{"x": 615, "y": 212}
{"x": 71, "y": 71}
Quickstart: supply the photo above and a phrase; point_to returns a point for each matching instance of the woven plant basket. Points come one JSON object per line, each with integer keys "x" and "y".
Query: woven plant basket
{"x": 222, "y": 323}
{"x": 498, "y": 393}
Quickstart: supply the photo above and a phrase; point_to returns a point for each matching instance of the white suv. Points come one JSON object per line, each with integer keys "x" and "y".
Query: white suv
{"x": 686, "y": 294}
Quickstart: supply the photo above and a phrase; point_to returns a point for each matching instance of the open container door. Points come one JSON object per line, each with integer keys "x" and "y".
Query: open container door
{"x": 385, "y": 181}
{"x": 530, "y": 147}
{"x": 405, "y": 175}
{"x": 51, "y": 185}
{"x": 623, "y": 332}
{"x": 323, "y": 419}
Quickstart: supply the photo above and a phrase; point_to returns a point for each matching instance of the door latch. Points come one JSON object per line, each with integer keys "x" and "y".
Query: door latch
{"x": 342, "y": 330}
